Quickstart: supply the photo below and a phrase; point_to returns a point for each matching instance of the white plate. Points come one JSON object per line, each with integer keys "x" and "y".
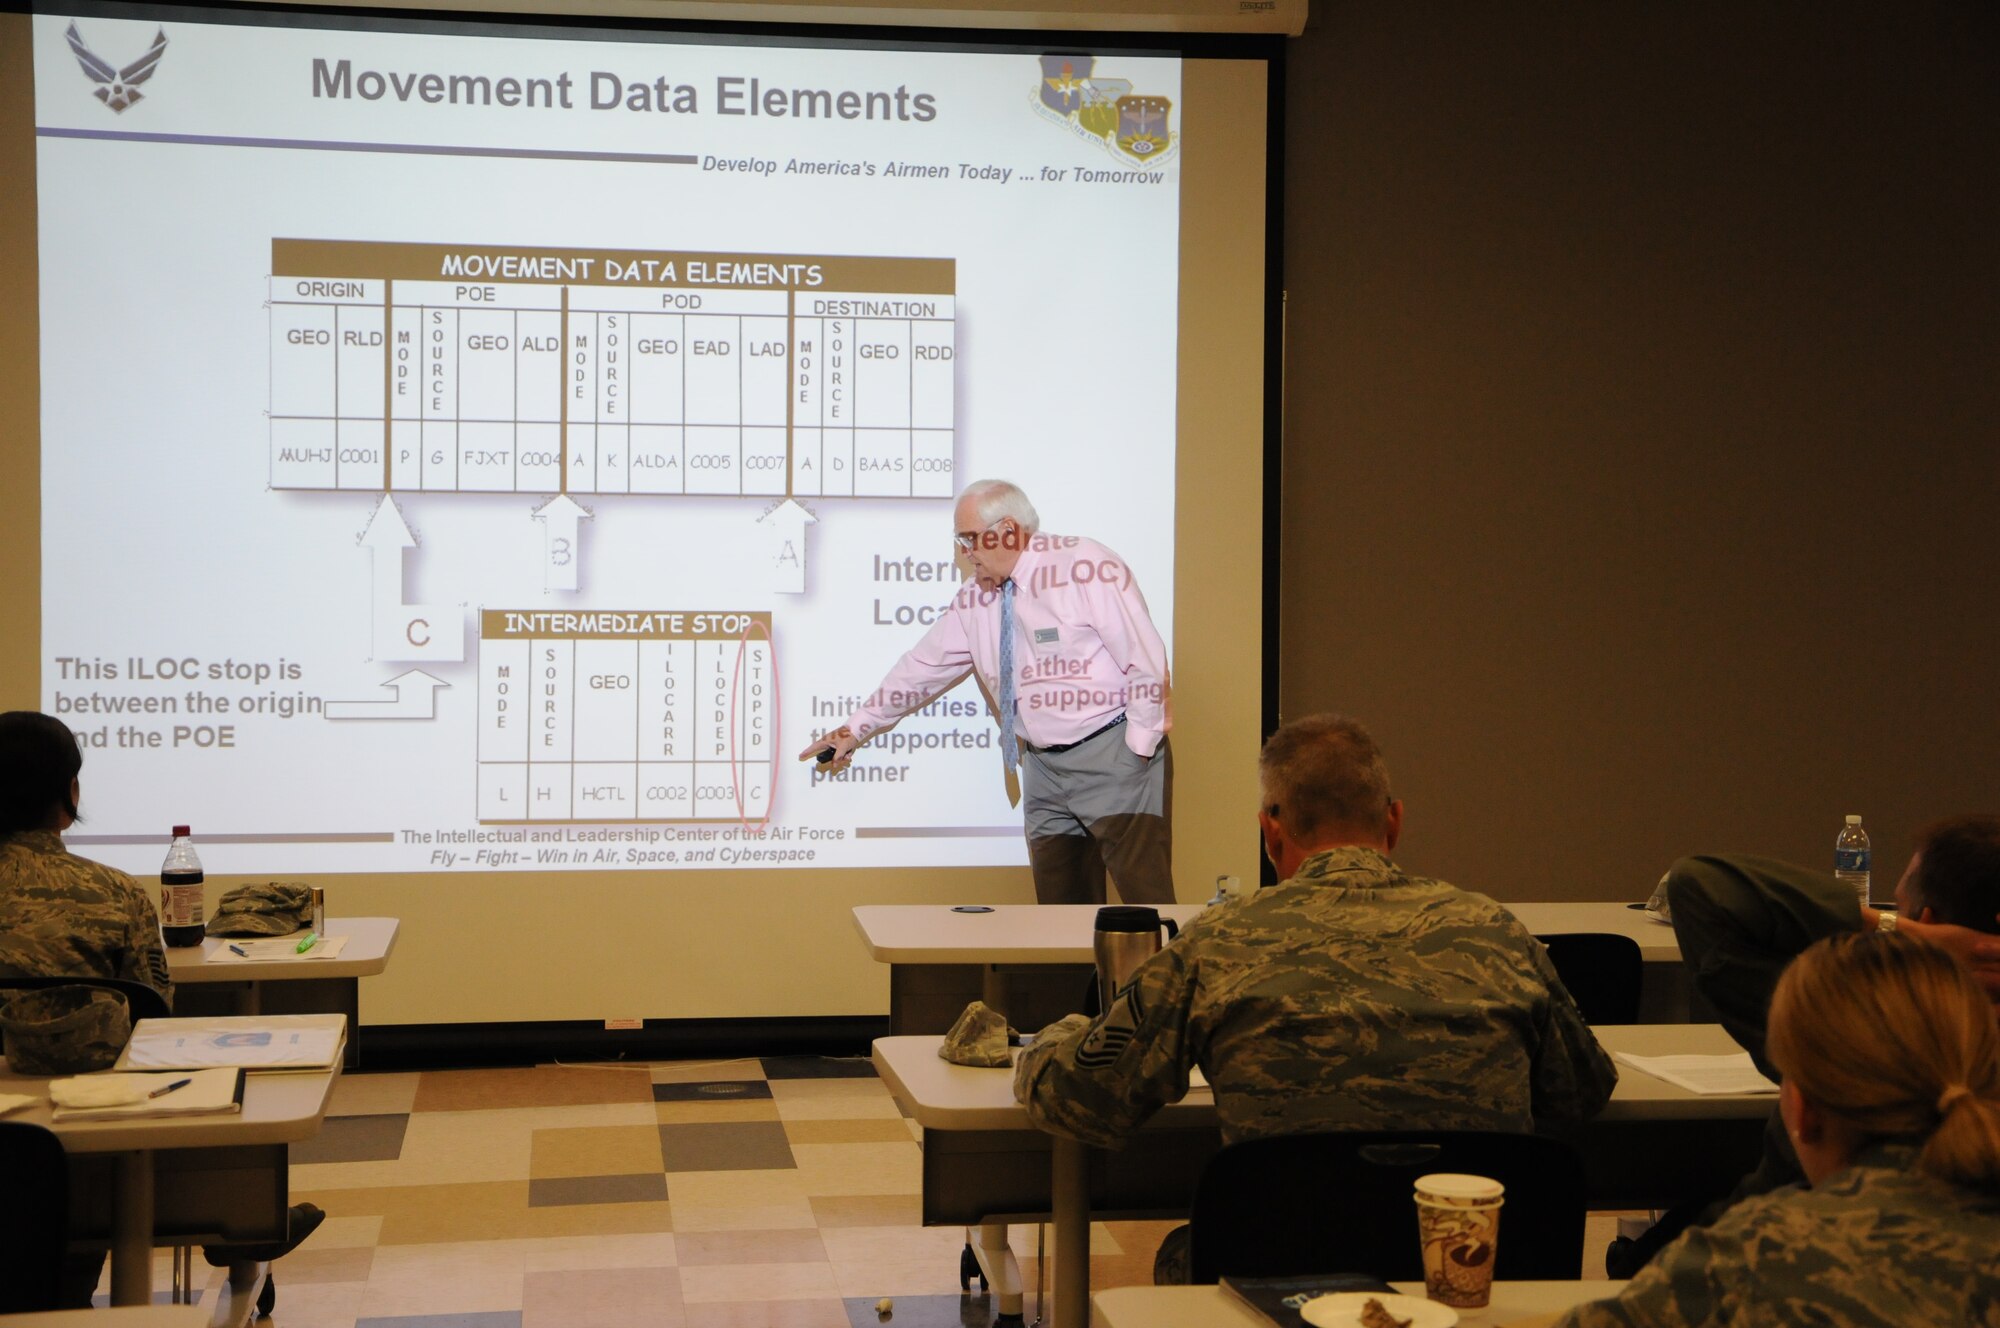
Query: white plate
{"x": 1343, "y": 1310}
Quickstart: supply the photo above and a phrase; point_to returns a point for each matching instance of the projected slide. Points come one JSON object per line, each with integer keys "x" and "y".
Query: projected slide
{"x": 466, "y": 452}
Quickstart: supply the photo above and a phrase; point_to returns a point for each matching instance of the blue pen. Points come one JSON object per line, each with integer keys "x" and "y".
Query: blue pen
{"x": 239, "y": 949}
{"x": 312, "y": 939}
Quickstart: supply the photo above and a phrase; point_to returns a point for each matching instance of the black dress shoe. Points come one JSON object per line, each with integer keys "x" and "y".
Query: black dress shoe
{"x": 303, "y": 1220}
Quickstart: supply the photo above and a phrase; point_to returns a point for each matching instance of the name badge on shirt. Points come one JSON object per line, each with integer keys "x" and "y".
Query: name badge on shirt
{"x": 1046, "y": 636}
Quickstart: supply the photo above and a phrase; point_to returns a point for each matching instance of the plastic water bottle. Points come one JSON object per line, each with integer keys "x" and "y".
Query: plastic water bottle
{"x": 181, "y": 921}
{"x": 1851, "y": 858}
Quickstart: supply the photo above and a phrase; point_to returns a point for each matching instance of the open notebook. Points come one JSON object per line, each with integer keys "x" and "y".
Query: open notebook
{"x": 114, "y": 1096}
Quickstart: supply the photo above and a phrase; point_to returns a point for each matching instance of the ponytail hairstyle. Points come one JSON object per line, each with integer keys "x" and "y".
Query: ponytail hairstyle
{"x": 1892, "y": 1036}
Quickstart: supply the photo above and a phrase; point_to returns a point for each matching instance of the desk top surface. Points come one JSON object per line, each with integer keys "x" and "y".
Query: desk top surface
{"x": 278, "y": 1108}
{"x": 369, "y": 943}
{"x": 1061, "y": 933}
{"x": 1212, "y": 1307}
{"x": 115, "y": 1316}
{"x": 943, "y": 1096}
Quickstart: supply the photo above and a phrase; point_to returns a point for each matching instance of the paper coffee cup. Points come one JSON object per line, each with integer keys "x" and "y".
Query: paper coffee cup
{"x": 1458, "y": 1221}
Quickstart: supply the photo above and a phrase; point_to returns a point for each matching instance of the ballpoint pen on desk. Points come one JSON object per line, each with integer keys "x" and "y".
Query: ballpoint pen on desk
{"x": 163, "y": 1091}
{"x": 239, "y": 949}
{"x": 312, "y": 939}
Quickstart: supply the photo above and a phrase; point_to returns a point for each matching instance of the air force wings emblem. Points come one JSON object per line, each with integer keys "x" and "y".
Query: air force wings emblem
{"x": 1132, "y": 127}
{"x": 117, "y": 88}
{"x": 1142, "y": 125}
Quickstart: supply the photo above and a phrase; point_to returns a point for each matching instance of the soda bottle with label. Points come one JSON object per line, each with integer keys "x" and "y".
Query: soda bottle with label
{"x": 181, "y": 920}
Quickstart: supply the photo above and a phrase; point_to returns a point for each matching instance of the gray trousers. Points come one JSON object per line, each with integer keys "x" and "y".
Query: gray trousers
{"x": 1095, "y": 808}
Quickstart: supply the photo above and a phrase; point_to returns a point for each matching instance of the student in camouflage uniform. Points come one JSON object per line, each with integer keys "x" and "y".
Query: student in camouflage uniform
{"x": 65, "y": 916}
{"x": 1350, "y": 996}
{"x": 1740, "y": 920}
{"x": 62, "y": 915}
{"x": 1891, "y": 1096}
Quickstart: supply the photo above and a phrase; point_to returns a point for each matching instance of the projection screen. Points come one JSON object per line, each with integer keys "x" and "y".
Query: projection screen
{"x": 469, "y": 459}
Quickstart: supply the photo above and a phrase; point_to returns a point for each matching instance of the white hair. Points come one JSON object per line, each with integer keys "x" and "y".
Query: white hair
{"x": 995, "y": 500}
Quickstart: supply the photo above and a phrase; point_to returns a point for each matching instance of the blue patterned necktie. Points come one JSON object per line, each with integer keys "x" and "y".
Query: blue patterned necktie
{"x": 1009, "y": 756}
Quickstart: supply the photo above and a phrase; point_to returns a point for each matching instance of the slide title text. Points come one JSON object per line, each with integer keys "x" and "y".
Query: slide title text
{"x": 606, "y": 91}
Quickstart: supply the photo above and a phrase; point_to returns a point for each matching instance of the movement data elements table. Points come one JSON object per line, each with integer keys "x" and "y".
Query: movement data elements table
{"x": 438, "y": 368}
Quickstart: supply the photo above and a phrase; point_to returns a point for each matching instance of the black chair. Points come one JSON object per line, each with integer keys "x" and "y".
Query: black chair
{"x": 141, "y": 1002}
{"x": 140, "y": 999}
{"x": 1342, "y": 1202}
{"x": 1602, "y": 970}
{"x": 34, "y": 1220}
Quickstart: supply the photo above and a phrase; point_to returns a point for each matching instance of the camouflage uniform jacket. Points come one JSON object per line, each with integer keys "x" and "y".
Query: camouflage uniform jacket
{"x": 1879, "y": 1245}
{"x": 65, "y": 916}
{"x": 1349, "y": 997}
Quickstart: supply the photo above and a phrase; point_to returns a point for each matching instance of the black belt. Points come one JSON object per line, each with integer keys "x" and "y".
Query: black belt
{"x": 1065, "y": 746}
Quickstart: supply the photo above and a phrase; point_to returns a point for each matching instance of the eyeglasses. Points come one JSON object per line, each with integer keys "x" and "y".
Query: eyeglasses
{"x": 969, "y": 539}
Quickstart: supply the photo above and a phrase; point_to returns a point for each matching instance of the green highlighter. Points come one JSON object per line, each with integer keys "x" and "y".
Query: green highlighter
{"x": 312, "y": 939}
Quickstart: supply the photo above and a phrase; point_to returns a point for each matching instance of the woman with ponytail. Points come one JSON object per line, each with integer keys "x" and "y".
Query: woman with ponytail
{"x": 1891, "y": 1095}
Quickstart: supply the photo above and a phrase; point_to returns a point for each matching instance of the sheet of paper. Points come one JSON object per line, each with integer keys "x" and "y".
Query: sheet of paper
{"x": 1709, "y": 1076}
{"x": 275, "y": 948}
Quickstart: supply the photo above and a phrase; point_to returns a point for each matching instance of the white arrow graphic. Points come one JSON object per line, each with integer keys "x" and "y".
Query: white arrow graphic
{"x": 386, "y": 538}
{"x": 788, "y": 522}
{"x": 405, "y": 631}
{"x": 416, "y": 698}
{"x": 562, "y": 554}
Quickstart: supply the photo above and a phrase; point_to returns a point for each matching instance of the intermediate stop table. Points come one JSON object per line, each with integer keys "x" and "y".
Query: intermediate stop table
{"x": 625, "y": 715}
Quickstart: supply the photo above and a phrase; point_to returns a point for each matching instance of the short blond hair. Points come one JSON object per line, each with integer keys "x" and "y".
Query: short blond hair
{"x": 1894, "y": 1037}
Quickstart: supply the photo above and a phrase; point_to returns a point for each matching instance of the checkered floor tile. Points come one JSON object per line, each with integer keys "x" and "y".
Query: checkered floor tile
{"x": 779, "y": 1192}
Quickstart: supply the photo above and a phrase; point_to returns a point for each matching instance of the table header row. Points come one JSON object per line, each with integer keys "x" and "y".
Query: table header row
{"x": 620, "y": 625}
{"x": 351, "y": 261}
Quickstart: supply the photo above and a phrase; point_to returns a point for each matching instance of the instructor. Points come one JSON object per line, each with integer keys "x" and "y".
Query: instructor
{"x": 1059, "y": 634}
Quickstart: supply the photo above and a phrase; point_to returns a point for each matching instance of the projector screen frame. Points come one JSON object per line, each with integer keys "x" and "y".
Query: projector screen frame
{"x": 19, "y": 398}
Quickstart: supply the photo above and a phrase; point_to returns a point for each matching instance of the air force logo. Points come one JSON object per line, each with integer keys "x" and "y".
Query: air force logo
{"x": 117, "y": 88}
{"x": 1104, "y": 111}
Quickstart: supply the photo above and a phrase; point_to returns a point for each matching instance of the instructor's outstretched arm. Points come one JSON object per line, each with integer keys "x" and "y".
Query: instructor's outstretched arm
{"x": 933, "y": 665}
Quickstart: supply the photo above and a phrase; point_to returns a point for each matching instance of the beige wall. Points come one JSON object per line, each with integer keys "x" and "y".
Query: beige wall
{"x": 1642, "y": 473}
{"x": 20, "y": 374}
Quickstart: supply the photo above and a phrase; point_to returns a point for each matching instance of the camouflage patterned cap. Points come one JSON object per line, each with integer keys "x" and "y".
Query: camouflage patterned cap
{"x": 65, "y": 1030}
{"x": 978, "y": 1038}
{"x": 274, "y": 908}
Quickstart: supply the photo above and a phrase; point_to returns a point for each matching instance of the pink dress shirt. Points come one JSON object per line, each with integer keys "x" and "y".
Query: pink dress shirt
{"x": 1085, "y": 650}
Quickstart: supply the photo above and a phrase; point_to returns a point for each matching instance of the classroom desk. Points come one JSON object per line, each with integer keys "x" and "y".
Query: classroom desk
{"x": 182, "y": 1179}
{"x": 982, "y": 1161}
{"x": 1212, "y": 1307}
{"x": 290, "y": 986}
{"x": 940, "y": 960}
